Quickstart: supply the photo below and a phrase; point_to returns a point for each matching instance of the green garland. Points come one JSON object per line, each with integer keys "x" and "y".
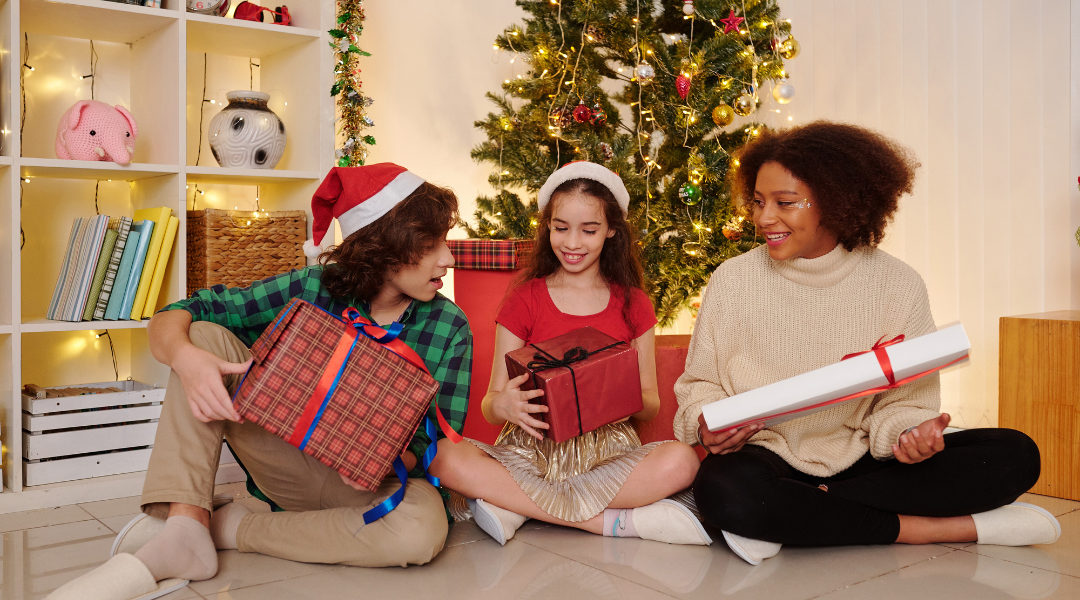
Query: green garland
{"x": 347, "y": 86}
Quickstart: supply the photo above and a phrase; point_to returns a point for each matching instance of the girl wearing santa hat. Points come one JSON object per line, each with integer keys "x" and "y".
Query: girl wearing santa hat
{"x": 585, "y": 270}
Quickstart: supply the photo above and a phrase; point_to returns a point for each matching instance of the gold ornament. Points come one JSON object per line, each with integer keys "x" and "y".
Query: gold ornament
{"x": 789, "y": 48}
{"x": 723, "y": 115}
{"x": 743, "y": 105}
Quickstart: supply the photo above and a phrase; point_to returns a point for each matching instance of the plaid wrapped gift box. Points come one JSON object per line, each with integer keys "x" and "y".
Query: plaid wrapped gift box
{"x": 323, "y": 385}
{"x": 489, "y": 255}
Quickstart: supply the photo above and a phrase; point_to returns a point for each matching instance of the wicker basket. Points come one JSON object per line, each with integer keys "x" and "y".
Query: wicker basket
{"x": 233, "y": 248}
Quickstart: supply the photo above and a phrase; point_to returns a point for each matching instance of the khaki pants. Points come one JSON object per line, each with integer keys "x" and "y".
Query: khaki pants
{"x": 323, "y": 522}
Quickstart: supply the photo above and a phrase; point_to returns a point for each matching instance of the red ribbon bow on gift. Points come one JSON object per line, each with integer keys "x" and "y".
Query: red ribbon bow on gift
{"x": 882, "y": 356}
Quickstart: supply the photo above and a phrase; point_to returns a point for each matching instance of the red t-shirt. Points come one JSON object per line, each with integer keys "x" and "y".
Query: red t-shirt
{"x": 530, "y": 314}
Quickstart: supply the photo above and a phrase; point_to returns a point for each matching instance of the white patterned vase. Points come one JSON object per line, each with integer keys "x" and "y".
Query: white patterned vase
{"x": 247, "y": 134}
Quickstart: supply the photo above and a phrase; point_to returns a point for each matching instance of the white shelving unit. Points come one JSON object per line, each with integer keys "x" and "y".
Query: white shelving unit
{"x": 155, "y": 62}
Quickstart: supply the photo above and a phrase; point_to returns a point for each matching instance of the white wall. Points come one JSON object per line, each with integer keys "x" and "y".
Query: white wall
{"x": 980, "y": 90}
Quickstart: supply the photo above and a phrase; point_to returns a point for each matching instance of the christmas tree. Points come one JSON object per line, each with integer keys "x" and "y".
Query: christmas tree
{"x": 649, "y": 89}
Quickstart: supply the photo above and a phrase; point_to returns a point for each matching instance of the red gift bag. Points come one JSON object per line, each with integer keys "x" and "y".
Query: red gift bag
{"x": 589, "y": 379}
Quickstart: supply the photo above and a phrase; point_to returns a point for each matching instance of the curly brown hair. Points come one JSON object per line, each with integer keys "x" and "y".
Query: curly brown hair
{"x": 361, "y": 264}
{"x": 620, "y": 259}
{"x": 856, "y": 175}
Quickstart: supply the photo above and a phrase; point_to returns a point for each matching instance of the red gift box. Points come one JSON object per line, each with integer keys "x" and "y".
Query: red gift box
{"x": 489, "y": 255}
{"x": 589, "y": 379}
{"x": 320, "y": 383}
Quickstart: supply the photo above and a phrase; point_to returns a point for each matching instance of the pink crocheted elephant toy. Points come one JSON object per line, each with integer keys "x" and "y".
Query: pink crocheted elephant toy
{"x": 92, "y": 130}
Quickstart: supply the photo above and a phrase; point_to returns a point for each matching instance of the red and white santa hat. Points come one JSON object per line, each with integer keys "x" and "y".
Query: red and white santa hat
{"x": 583, "y": 169}
{"x": 357, "y": 197}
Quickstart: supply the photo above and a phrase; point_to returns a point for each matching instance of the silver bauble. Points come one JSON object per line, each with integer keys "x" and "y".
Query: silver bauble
{"x": 645, "y": 72}
{"x": 783, "y": 92}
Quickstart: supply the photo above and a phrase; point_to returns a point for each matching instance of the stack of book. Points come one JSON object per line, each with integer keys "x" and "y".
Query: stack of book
{"x": 114, "y": 267}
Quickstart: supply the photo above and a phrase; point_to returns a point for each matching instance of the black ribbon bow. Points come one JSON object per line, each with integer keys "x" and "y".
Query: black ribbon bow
{"x": 543, "y": 361}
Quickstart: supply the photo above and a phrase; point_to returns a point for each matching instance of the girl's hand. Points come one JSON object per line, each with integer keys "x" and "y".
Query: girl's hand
{"x": 728, "y": 441}
{"x": 200, "y": 374}
{"x": 512, "y": 404}
{"x": 922, "y": 442}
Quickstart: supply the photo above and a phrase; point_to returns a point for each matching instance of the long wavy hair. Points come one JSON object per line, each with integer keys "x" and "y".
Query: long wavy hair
{"x": 364, "y": 261}
{"x": 620, "y": 258}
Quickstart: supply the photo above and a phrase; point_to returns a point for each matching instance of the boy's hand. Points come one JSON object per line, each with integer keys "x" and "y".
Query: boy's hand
{"x": 513, "y": 405}
{"x": 725, "y": 441}
{"x": 922, "y": 442}
{"x": 200, "y": 373}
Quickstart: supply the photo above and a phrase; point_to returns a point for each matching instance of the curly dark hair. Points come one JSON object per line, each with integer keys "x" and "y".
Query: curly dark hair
{"x": 620, "y": 259}
{"x": 363, "y": 262}
{"x": 856, "y": 175}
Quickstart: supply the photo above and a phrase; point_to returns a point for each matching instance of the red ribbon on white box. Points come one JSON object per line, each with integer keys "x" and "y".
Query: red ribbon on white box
{"x": 886, "y": 367}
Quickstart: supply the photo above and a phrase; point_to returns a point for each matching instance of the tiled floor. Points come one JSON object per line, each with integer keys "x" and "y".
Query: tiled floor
{"x": 43, "y": 549}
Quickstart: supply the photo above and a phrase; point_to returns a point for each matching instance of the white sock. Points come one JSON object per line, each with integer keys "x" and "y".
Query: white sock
{"x": 183, "y": 550}
{"x": 224, "y": 524}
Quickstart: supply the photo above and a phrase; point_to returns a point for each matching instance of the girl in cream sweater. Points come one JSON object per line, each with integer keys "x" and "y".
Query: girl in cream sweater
{"x": 878, "y": 470}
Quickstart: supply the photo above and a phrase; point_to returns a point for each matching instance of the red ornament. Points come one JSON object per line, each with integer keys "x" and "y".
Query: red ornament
{"x": 682, "y": 85}
{"x": 731, "y": 24}
{"x": 582, "y": 113}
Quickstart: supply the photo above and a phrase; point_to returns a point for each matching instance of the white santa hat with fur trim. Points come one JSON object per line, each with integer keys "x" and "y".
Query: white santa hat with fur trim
{"x": 583, "y": 169}
{"x": 357, "y": 197}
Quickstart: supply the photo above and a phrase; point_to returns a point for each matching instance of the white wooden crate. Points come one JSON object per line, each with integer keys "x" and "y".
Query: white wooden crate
{"x": 78, "y": 437}
{"x": 82, "y": 467}
{"x": 134, "y": 392}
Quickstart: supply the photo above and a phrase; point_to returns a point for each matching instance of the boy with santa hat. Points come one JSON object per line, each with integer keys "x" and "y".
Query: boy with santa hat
{"x": 390, "y": 267}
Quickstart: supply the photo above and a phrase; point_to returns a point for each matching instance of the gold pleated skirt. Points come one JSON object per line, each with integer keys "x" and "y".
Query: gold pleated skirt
{"x": 573, "y": 480}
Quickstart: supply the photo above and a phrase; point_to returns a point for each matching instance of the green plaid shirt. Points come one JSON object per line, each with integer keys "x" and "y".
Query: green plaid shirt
{"x": 437, "y": 330}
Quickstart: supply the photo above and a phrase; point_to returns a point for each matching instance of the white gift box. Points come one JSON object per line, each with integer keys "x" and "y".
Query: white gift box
{"x": 850, "y": 379}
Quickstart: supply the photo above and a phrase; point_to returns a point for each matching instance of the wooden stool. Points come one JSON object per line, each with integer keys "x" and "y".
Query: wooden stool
{"x": 1040, "y": 393}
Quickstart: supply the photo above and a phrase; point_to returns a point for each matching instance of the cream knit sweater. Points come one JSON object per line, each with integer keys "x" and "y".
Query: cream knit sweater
{"x": 764, "y": 320}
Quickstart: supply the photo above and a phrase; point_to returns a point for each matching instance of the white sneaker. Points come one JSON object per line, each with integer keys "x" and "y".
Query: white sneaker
{"x": 499, "y": 523}
{"x": 752, "y": 551}
{"x": 669, "y": 522}
{"x": 1017, "y": 524}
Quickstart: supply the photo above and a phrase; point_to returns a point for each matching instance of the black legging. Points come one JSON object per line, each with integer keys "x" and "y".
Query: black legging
{"x": 756, "y": 494}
